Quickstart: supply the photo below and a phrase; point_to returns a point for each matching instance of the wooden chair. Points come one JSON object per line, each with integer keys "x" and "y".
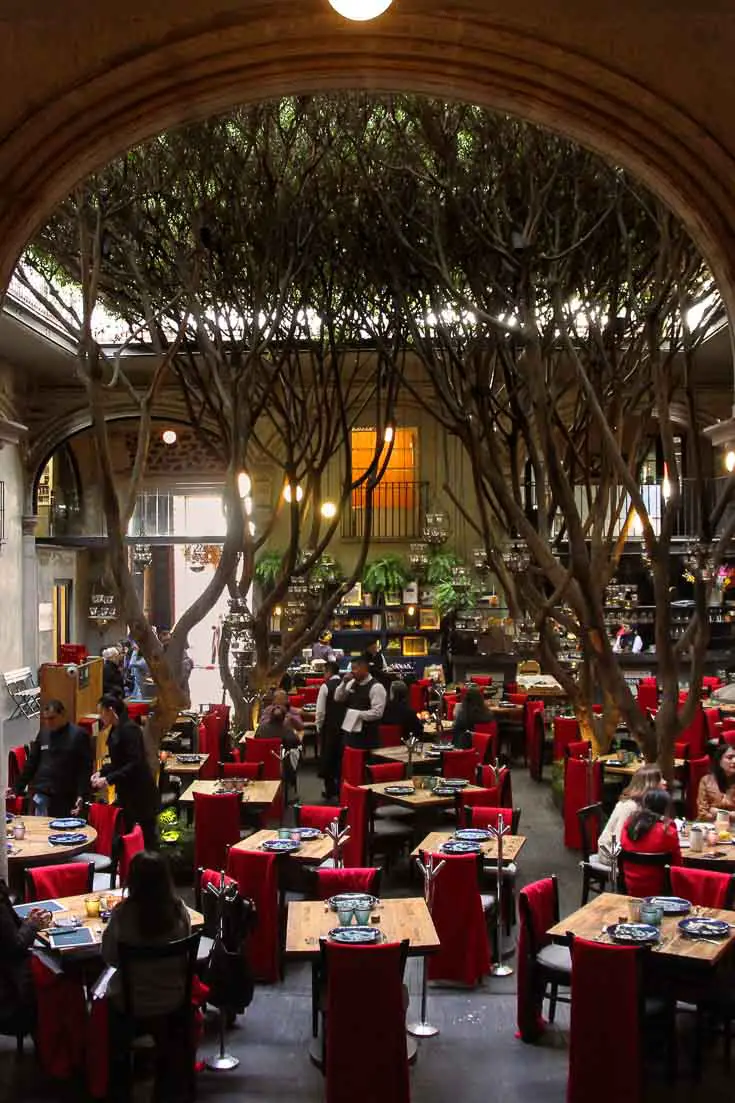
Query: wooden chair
{"x": 642, "y": 864}
{"x": 595, "y": 874}
{"x": 546, "y": 967}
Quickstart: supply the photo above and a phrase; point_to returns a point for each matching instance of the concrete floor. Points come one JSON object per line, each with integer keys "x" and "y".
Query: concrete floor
{"x": 476, "y": 1057}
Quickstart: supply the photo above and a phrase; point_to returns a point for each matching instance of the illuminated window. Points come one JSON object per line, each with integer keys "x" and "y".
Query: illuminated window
{"x": 397, "y": 488}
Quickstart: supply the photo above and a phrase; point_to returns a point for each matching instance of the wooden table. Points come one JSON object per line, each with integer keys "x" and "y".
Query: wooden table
{"x": 400, "y": 754}
{"x": 720, "y": 857}
{"x": 420, "y": 798}
{"x": 256, "y": 794}
{"x": 74, "y": 905}
{"x": 171, "y": 765}
{"x": 312, "y": 853}
{"x": 512, "y": 845}
{"x": 251, "y": 735}
{"x": 607, "y": 908}
{"x": 632, "y": 768}
{"x": 408, "y": 917}
{"x": 36, "y": 850}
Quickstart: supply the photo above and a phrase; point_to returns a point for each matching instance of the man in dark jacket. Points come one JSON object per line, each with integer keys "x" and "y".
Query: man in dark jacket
{"x": 58, "y": 766}
{"x": 329, "y": 717}
{"x": 128, "y": 771}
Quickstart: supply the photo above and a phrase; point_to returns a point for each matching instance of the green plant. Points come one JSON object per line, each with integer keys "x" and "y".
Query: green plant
{"x": 387, "y": 573}
{"x": 439, "y": 567}
{"x": 326, "y": 572}
{"x": 450, "y": 600}
{"x": 268, "y": 569}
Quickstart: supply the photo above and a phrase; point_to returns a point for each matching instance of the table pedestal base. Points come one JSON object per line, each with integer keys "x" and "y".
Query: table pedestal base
{"x": 315, "y": 1052}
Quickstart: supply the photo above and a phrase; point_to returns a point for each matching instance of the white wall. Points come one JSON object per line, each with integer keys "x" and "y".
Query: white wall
{"x": 11, "y": 571}
{"x": 55, "y": 565}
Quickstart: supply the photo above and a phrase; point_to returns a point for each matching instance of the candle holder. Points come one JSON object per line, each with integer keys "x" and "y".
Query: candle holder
{"x": 429, "y": 871}
{"x": 412, "y": 745}
{"x": 339, "y": 838}
{"x": 293, "y": 756}
{"x": 500, "y": 968}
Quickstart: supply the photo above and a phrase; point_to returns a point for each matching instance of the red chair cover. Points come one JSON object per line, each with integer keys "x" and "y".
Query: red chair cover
{"x": 728, "y": 737}
{"x": 580, "y": 749}
{"x": 49, "y": 882}
{"x": 418, "y": 694}
{"x": 711, "y": 682}
{"x": 485, "y": 742}
{"x": 486, "y": 816}
{"x": 61, "y": 1012}
{"x": 481, "y": 679}
{"x": 216, "y": 826}
{"x": 517, "y": 698}
{"x": 15, "y": 805}
{"x": 297, "y": 700}
{"x": 257, "y": 877}
{"x": 315, "y": 682}
{"x": 485, "y": 798}
{"x": 138, "y": 709}
{"x": 251, "y": 770}
{"x": 366, "y": 1058}
{"x": 210, "y": 743}
{"x": 647, "y": 697}
{"x": 214, "y": 877}
{"x": 332, "y": 881}
{"x": 318, "y": 815}
{"x": 712, "y": 717}
{"x": 728, "y": 723}
{"x": 703, "y": 887}
{"x": 104, "y": 818}
{"x": 222, "y": 711}
{"x": 464, "y": 954}
{"x": 310, "y": 694}
{"x": 356, "y": 802}
{"x": 500, "y": 779}
{"x": 130, "y": 845}
{"x": 696, "y": 769}
{"x": 353, "y": 766}
{"x": 598, "y": 967}
{"x": 390, "y": 735}
{"x": 268, "y": 752}
{"x": 387, "y": 771}
{"x": 683, "y": 696}
{"x": 681, "y": 749}
{"x": 582, "y": 786}
{"x": 597, "y": 710}
{"x": 17, "y": 757}
{"x": 696, "y": 735}
{"x": 460, "y": 764}
{"x": 535, "y": 731}
{"x": 566, "y": 730}
{"x": 451, "y": 700}
{"x": 540, "y": 896}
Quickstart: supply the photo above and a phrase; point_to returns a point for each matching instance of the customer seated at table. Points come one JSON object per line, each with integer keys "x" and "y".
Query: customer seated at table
{"x": 276, "y": 727}
{"x": 650, "y": 830}
{"x": 643, "y": 781}
{"x": 291, "y": 717}
{"x": 471, "y": 710}
{"x": 717, "y": 788}
{"x": 399, "y": 712}
{"x": 17, "y": 999}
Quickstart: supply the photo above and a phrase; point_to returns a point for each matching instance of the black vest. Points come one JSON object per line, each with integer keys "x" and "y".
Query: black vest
{"x": 359, "y": 698}
{"x": 334, "y": 712}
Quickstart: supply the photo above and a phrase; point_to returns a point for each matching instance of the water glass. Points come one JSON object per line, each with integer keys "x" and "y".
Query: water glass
{"x": 652, "y": 914}
{"x": 634, "y": 911}
{"x": 92, "y": 906}
{"x": 345, "y": 917}
{"x": 284, "y": 832}
{"x": 362, "y": 915}
{"x": 19, "y": 830}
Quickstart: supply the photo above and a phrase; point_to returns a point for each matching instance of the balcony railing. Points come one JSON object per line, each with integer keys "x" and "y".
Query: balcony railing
{"x": 398, "y": 512}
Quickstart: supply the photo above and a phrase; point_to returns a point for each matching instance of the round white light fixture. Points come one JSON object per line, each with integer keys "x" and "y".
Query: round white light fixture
{"x": 730, "y": 461}
{"x": 288, "y": 493}
{"x": 360, "y": 10}
{"x": 389, "y": 434}
{"x": 329, "y": 511}
{"x": 244, "y": 484}
{"x": 169, "y": 436}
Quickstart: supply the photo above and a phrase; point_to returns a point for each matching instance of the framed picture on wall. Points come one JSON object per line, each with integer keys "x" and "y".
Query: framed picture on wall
{"x": 429, "y": 618}
{"x": 394, "y": 620}
{"x": 354, "y": 596}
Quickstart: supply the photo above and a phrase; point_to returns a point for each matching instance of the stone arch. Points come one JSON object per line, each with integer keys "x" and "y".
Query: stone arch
{"x": 604, "y": 82}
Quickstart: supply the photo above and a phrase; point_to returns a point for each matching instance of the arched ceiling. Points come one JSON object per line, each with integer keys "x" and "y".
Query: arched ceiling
{"x": 647, "y": 84}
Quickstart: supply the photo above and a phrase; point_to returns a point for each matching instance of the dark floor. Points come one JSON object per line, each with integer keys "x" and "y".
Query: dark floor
{"x": 476, "y": 1057}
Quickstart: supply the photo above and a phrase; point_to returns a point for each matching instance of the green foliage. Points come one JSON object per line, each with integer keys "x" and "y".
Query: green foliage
{"x": 268, "y": 569}
{"x": 389, "y": 572}
{"x": 448, "y": 600}
{"x": 439, "y": 567}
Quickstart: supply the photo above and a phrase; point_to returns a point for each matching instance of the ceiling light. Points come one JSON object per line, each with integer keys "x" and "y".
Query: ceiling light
{"x": 251, "y": 529}
{"x": 244, "y": 484}
{"x": 388, "y": 437}
{"x": 248, "y": 503}
{"x": 329, "y": 510}
{"x": 169, "y": 436}
{"x": 288, "y": 493}
{"x": 360, "y": 10}
{"x": 730, "y": 461}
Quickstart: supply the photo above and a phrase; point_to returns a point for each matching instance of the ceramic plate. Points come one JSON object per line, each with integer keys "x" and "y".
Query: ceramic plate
{"x": 633, "y": 934}
{"x": 399, "y": 790}
{"x": 444, "y": 791}
{"x": 66, "y": 823}
{"x": 309, "y": 833}
{"x": 280, "y": 846}
{"x": 472, "y": 834}
{"x": 439, "y": 748}
{"x": 704, "y": 928}
{"x": 67, "y": 838}
{"x": 455, "y": 782}
{"x": 457, "y": 846}
{"x": 356, "y": 935}
{"x": 672, "y": 905}
{"x": 185, "y": 759}
{"x": 354, "y": 900}
{"x": 614, "y": 762}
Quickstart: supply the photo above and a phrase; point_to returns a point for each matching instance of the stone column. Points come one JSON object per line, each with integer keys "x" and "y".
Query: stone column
{"x": 30, "y": 593}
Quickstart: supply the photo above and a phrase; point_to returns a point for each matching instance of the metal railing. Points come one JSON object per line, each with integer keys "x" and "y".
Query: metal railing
{"x": 397, "y": 514}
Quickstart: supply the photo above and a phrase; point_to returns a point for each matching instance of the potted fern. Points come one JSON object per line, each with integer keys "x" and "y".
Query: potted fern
{"x": 385, "y": 576}
{"x": 268, "y": 570}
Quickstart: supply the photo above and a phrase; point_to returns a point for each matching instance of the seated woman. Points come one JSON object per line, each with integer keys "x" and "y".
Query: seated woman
{"x": 717, "y": 788}
{"x": 399, "y": 712}
{"x": 647, "y": 778}
{"x": 274, "y": 725}
{"x": 650, "y": 830}
{"x": 291, "y": 717}
{"x": 470, "y": 711}
{"x": 17, "y": 1000}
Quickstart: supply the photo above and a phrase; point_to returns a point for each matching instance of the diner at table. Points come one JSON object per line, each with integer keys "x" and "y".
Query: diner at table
{"x": 470, "y": 712}
{"x": 645, "y": 778}
{"x": 717, "y": 788}
{"x": 650, "y": 830}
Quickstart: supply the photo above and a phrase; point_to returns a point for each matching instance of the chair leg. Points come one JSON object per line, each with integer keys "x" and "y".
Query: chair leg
{"x": 553, "y": 993}
{"x": 314, "y": 1000}
{"x": 19, "y": 1038}
{"x": 585, "y": 885}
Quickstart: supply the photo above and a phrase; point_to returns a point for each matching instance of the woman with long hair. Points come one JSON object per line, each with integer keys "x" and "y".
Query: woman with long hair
{"x": 471, "y": 710}
{"x": 717, "y": 788}
{"x": 650, "y": 830}
{"x": 643, "y": 780}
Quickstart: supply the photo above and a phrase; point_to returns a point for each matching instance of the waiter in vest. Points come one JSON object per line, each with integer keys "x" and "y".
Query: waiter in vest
{"x": 364, "y": 698}
{"x": 329, "y": 717}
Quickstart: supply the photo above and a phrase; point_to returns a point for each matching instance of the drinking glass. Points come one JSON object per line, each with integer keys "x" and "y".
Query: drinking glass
{"x": 92, "y": 906}
{"x": 634, "y": 911}
{"x": 345, "y": 917}
{"x": 362, "y": 915}
{"x": 284, "y": 832}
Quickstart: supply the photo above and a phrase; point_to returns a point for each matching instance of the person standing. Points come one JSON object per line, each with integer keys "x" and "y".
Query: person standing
{"x": 322, "y": 648}
{"x": 58, "y": 766}
{"x": 128, "y": 770}
{"x": 112, "y": 674}
{"x": 329, "y": 716}
{"x": 377, "y": 662}
{"x": 364, "y": 700}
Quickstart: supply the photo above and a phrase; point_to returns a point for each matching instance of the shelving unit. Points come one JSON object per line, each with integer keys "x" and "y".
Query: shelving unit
{"x": 353, "y": 640}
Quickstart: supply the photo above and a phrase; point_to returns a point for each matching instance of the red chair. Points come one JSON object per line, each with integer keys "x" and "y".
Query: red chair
{"x": 728, "y": 736}
{"x": 566, "y": 730}
{"x": 728, "y": 723}
{"x": 267, "y": 751}
{"x": 315, "y": 682}
{"x": 105, "y": 819}
{"x": 353, "y": 766}
{"x": 517, "y": 698}
{"x": 256, "y": 873}
{"x": 418, "y": 694}
{"x": 210, "y": 743}
{"x": 483, "y": 680}
{"x": 460, "y": 764}
{"x": 615, "y": 970}
{"x": 582, "y": 786}
{"x": 487, "y": 816}
{"x": 714, "y": 725}
{"x": 310, "y": 694}
{"x": 696, "y": 734}
{"x": 535, "y": 738}
{"x": 251, "y": 770}
{"x": 457, "y": 912}
{"x": 318, "y": 815}
{"x": 356, "y": 802}
{"x": 451, "y": 700}
{"x": 216, "y": 827}
{"x": 17, "y": 758}
{"x": 694, "y": 770}
{"x": 581, "y": 749}
{"x": 703, "y": 887}
{"x": 330, "y": 882}
{"x": 130, "y": 845}
{"x": 542, "y": 968}
{"x": 683, "y": 696}
{"x": 681, "y": 749}
{"x": 387, "y": 771}
{"x": 137, "y": 710}
{"x": 390, "y": 735}
{"x": 710, "y": 682}
{"x": 490, "y": 778}
{"x": 647, "y": 697}
{"x": 297, "y": 700}
{"x": 51, "y": 882}
{"x": 485, "y": 741}
{"x": 365, "y": 1016}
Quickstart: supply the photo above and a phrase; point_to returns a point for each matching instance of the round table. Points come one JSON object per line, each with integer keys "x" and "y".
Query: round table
{"x": 36, "y": 850}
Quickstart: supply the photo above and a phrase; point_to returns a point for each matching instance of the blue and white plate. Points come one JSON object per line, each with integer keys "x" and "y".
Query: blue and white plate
{"x": 702, "y": 927}
{"x": 309, "y": 833}
{"x": 473, "y": 834}
{"x": 67, "y": 823}
{"x": 359, "y": 936}
{"x": 455, "y": 782}
{"x": 671, "y": 905}
{"x": 634, "y": 934}
{"x": 280, "y": 846}
{"x": 357, "y": 901}
{"x": 67, "y": 838}
{"x": 457, "y": 846}
{"x": 444, "y": 791}
{"x": 188, "y": 759}
{"x": 399, "y": 790}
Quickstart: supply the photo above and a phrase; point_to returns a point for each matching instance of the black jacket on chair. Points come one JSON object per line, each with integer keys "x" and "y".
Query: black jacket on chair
{"x": 16, "y": 984}
{"x": 129, "y": 772}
